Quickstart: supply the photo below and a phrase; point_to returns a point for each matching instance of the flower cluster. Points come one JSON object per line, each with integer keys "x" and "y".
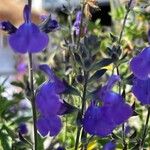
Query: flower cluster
{"x": 49, "y": 103}
{"x": 141, "y": 82}
{"x": 103, "y": 120}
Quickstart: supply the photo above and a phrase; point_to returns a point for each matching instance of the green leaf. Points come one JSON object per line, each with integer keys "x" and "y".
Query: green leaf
{"x": 97, "y": 75}
{"x": 4, "y": 141}
{"x": 70, "y": 89}
{"x": 18, "y": 84}
{"x": 102, "y": 63}
{"x": 78, "y": 58}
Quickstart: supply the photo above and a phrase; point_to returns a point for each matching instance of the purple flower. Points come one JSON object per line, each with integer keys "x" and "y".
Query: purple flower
{"x": 141, "y": 90}
{"x": 23, "y": 128}
{"x": 109, "y": 146}
{"x": 96, "y": 121}
{"x": 49, "y": 103}
{"x": 102, "y": 120}
{"x": 28, "y": 37}
{"x": 140, "y": 64}
{"x": 49, "y": 125}
{"x": 113, "y": 103}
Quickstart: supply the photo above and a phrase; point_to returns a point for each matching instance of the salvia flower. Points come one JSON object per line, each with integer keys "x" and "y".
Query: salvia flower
{"x": 28, "y": 37}
{"x": 109, "y": 146}
{"x": 140, "y": 64}
{"x": 113, "y": 103}
{"x": 114, "y": 111}
{"x": 49, "y": 103}
{"x": 141, "y": 90}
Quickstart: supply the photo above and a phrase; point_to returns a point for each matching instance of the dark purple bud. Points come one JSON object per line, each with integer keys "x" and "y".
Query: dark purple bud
{"x": 7, "y": 26}
{"x": 23, "y": 128}
{"x": 49, "y": 25}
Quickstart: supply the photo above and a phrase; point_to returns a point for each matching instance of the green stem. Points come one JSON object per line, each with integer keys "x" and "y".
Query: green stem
{"x": 33, "y": 102}
{"x": 145, "y": 129}
{"x": 82, "y": 108}
{"x": 124, "y": 22}
{"x": 117, "y": 67}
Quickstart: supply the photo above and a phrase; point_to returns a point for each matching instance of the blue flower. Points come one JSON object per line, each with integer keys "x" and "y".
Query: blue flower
{"x": 109, "y": 146}
{"x": 140, "y": 64}
{"x": 28, "y": 37}
{"x": 96, "y": 121}
{"x": 113, "y": 103}
{"x": 49, "y": 103}
{"x": 114, "y": 111}
{"x": 141, "y": 90}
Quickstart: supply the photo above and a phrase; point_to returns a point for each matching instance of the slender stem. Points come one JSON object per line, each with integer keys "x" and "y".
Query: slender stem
{"x": 30, "y": 3}
{"x": 124, "y": 22}
{"x": 145, "y": 129}
{"x": 33, "y": 101}
{"x": 123, "y": 127}
{"x": 117, "y": 67}
{"x": 82, "y": 108}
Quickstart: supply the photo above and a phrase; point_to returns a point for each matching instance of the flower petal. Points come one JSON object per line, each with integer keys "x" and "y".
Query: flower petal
{"x": 28, "y": 38}
{"x": 96, "y": 122}
{"x": 140, "y": 64}
{"x": 58, "y": 84}
{"x": 47, "y": 100}
{"x": 141, "y": 89}
{"x": 42, "y": 126}
{"x": 118, "y": 113}
{"x": 27, "y": 14}
{"x": 51, "y": 125}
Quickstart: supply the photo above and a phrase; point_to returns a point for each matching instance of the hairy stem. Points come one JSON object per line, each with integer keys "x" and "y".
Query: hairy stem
{"x": 33, "y": 102}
